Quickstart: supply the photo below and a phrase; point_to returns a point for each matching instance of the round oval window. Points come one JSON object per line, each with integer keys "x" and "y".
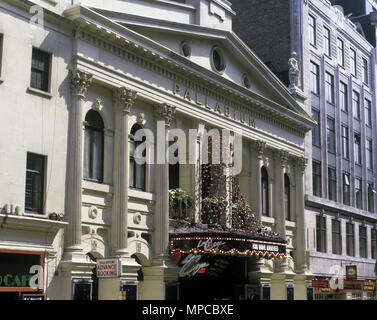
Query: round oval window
{"x": 218, "y": 60}
{"x": 246, "y": 81}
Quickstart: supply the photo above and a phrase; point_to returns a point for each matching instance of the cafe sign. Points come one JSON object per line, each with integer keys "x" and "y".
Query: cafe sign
{"x": 109, "y": 268}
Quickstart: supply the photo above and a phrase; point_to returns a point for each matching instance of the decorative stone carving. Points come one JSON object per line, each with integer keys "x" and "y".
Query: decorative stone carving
{"x": 302, "y": 163}
{"x": 260, "y": 146}
{"x": 93, "y": 212}
{"x": 165, "y": 112}
{"x": 294, "y": 71}
{"x": 140, "y": 118}
{"x": 97, "y": 103}
{"x": 283, "y": 154}
{"x": 80, "y": 81}
{"x": 124, "y": 99}
{"x": 137, "y": 218}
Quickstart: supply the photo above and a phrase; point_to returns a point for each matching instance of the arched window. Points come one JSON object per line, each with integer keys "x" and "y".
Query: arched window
{"x": 265, "y": 193}
{"x": 287, "y": 197}
{"x": 137, "y": 171}
{"x": 93, "y": 148}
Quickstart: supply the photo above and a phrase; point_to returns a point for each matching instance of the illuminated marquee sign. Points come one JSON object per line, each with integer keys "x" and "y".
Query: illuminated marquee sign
{"x": 227, "y": 246}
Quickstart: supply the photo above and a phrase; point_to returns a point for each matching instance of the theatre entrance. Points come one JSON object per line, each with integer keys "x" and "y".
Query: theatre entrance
{"x": 212, "y": 277}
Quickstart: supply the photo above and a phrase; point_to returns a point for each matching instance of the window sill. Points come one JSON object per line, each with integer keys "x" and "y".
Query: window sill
{"x": 39, "y": 92}
{"x": 315, "y": 94}
{"x": 135, "y": 193}
{"x": 96, "y": 186}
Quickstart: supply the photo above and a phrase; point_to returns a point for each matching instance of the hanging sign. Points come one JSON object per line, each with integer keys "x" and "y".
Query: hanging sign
{"x": 109, "y": 268}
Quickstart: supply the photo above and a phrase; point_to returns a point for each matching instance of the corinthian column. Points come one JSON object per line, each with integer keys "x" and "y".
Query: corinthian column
{"x": 80, "y": 81}
{"x": 260, "y": 147}
{"x": 123, "y": 100}
{"x": 164, "y": 115}
{"x": 300, "y": 216}
{"x": 280, "y": 163}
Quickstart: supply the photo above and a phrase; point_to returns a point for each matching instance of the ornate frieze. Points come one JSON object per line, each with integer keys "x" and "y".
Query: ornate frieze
{"x": 124, "y": 99}
{"x": 80, "y": 81}
{"x": 302, "y": 163}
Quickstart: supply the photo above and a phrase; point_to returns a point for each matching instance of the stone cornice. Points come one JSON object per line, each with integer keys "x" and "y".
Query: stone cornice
{"x": 120, "y": 36}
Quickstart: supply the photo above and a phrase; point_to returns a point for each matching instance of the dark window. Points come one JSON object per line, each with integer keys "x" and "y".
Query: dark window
{"x": 341, "y": 52}
{"x": 316, "y": 133}
{"x": 329, "y": 87}
{"x": 353, "y": 61}
{"x": 312, "y": 31}
{"x": 137, "y": 170}
{"x": 365, "y": 71}
{"x": 368, "y": 112}
{"x": 174, "y": 172}
{"x": 343, "y": 97}
{"x": 374, "y": 243}
{"x": 40, "y": 70}
{"x": 369, "y": 154}
{"x": 345, "y": 142}
{"x": 350, "y": 240}
{"x": 93, "y": 148}
{"x": 332, "y": 183}
{"x": 356, "y": 105}
{"x": 287, "y": 197}
{"x": 326, "y": 41}
{"x": 218, "y": 59}
{"x": 357, "y": 149}
{"x": 346, "y": 189}
{"x": 370, "y": 197}
{"x": 321, "y": 234}
{"x": 314, "y": 78}
{"x": 35, "y": 177}
{"x": 363, "y": 241}
{"x": 265, "y": 193}
{"x": 317, "y": 179}
{"x": 331, "y": 135}
{"x": 358, "y": 193}
{"x": 336, "y": 237}
{"x": 1, "y": 52}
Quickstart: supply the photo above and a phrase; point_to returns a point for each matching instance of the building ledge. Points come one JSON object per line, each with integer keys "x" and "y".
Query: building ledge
{"x": 39, "y": 92}
{"x": 330, "y": 256}
{"x": 30, "y": 223}
{"x": 340, "y": 208}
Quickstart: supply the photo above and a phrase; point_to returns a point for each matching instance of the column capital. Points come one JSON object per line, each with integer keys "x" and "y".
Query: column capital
{"x": 301, "y": 164}
{"x": 165, "y": 112}
{"x": 260, "y": 146}
{"x": 80, "y": 81}
{"x": 283, "y": 156}
{"x": 123, "y": 99}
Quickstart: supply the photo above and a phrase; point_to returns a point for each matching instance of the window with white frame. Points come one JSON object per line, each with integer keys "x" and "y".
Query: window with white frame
{"x": 329, "y": 87}
{"x": 326, "y": 41}
{"x": 341, "y": 52}
{"x": 343, "y": 97}
{"x": 312, "y": 31}
{"x": 353, "y": 62}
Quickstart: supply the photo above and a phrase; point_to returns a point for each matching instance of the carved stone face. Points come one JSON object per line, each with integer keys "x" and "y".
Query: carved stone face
{"x": 140, "y": 118}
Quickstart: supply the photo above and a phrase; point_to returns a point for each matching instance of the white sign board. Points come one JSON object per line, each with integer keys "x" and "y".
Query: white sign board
{"x": 109, "y": 268}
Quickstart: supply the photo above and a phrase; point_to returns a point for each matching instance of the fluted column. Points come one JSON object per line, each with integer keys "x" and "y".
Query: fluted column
{"x": 123, "y": 100}
{"x": 80, "y": 81}
{"x": 260, "y": 146}
{"x": 280, "y": 163}
{"x": 300, "y": 215}
{"x": 164, "y": 115}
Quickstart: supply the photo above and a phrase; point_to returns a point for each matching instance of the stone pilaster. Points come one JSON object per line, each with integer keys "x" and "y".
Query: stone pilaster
{"x": 300, "y": 216}
{"x": 280, "y": 163}
{"x": 123, "y": 100}
{"x": 164, "y": 115}
{"x": 260, "y": 147}
{"x": 80, "y": 81}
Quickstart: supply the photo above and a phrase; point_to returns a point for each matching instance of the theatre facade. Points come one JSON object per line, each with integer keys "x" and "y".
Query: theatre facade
{"x": 125, "y": 76}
